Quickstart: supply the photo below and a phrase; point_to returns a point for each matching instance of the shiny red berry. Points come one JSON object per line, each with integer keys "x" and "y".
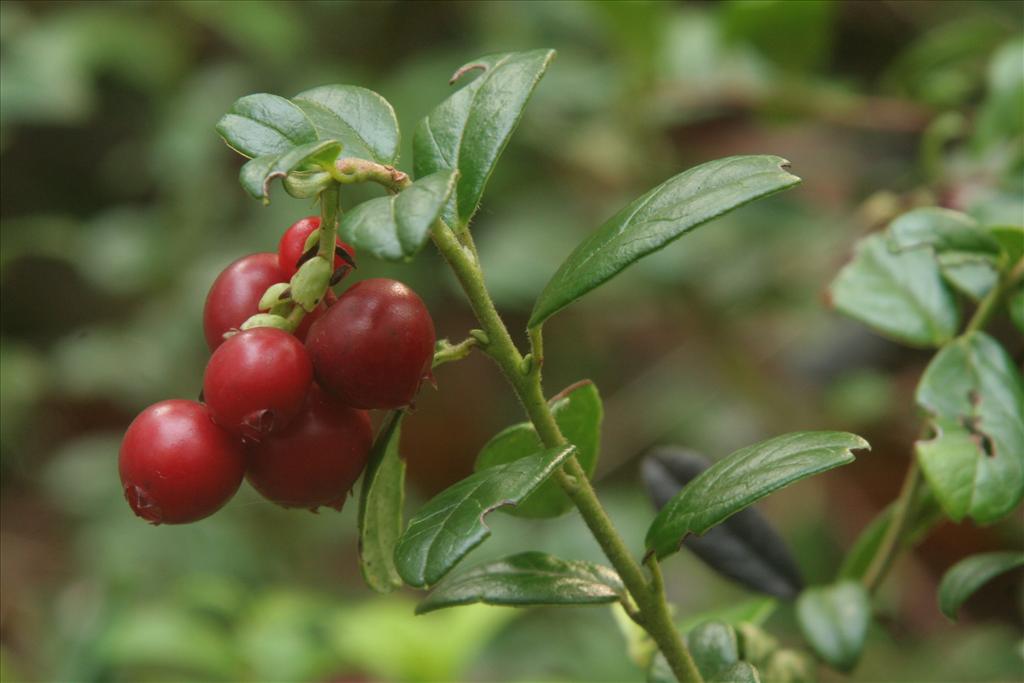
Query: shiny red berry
{"x": 316, "y": 459}
{"x": 290, "y": 248}
{"x": 374, "y": 346}
{"x": 235, "y": 294}
{"x": 256, "y": 381}
{"x": 178, "y": 466}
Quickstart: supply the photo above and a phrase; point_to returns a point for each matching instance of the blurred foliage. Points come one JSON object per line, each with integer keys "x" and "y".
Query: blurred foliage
{"x": 120, "y": 205}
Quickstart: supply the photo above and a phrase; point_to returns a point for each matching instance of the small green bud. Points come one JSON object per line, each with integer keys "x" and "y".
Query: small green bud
{"x": 789, "y": 666}
{"x": 303, "y": 185}
{"x": 756, "y": 646}
{"x": 714, "y": 647}
{"x": 311, "y": 282}
{"x": 272, "y": 297}
{"x": 480, "y": 336}
{"x": 267, "y": 320}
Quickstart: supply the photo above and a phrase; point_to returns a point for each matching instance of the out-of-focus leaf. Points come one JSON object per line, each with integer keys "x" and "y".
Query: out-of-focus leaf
{"x": 360, "y": 119}
{"x": 968, "y": 575}
{"x": 756, "y": 645}
{"x": 969, "y": 273}
{"x": 745, "y": 547}
{"x": 941, "y": 229}
{"x": 834, "y": 620}
{"x": 714, "y": 648}
{"x": 578, "y": 412}
{"x": 760, "y": 23}
{"x": 743, "y": 478}
{"x": 282, "y": 638}
{"x": 468, "y": 131}
{"x": 901, "y": 295}
{"x": 740, "y": 672}
{"x": 667, "y": 212}
{"x": 924, "y": 514}
{"x": 1011, "y": 239}
{"x": 999, "y": 116}
{"x": 380, "y": 507}
{"x": 1015, "y": 304}
{"x": 975, "y": 462}
{"x": 755, "y": 611}
{"x": 396, "y": 227}
{"x": 452, "y": 523}
{"x": 530, "y": 578}
{"x": 789, "y": 666}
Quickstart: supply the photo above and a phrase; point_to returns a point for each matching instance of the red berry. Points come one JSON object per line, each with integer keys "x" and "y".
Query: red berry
{"x": 256, "y": 381}
{"x": 290, "y": 248}
{"x": 374, "y": 346}
{"x": 316, "y": 459}
{"x": 235, "y": 294}
{"x": 178, "y": 466}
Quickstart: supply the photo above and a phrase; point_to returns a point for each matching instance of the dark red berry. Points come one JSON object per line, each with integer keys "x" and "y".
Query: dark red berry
{"x": 178, "y": 466}
{"x": 290, "y": 248}
{"x": 316, "y": 459}
{"x": 374, "y": 346}
{"x": 256, "y": 381}
{"x": 235, "y": 294}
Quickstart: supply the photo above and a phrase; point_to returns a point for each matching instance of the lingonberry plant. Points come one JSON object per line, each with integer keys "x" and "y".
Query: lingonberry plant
{"x": 297, "y": 410}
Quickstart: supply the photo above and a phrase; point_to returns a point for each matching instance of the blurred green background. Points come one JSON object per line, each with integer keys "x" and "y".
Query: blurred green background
{"x": 120, "y": 204}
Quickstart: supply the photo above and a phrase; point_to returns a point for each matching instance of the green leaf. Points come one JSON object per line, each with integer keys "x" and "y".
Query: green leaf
{"x": 396, "y": 227}
{"x": 1015, "y": 304}
{"x": 754, "y": 611}
{"x": 530, "y": 578}
{"x": 970, "y": 273}
{"x": 941, "y": 229}
{"x": 740, "y": 672}
{"x": 578, "y": 412}
{"x": 380, "y": 507}
{"x": 470, "y": 129}
{"x": 975, "y": 461}
{"x": 834, "y": 620}
{"x": 789, "y": 666}
{"x": 257, "y": 173}
{"x": 745, "y": 477}
{"x": 714, "y": 647}
{"x": 970, "y": 574}
{"x": 363, "y": 121}
{"x": 1011, "y": 240}
{"x": 898, "y": 294}
{"x": 670, "y": 210}
{"x": 925, "y": 513}
{"x": 452, "y": 523}
{"x": 260, "y": 125}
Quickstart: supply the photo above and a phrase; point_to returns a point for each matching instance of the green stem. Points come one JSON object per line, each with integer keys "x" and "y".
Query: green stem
{"x": 893, "y": 540}
{"x": 653, "y": 611}
{"x": 990, "y": 304}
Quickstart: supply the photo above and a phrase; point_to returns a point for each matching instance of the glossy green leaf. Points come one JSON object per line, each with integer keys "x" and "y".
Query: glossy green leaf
{"x": 396, "y": 227}
{"x": 578, "y": 412}
{"x": 452, "y": 523}
{"x": 941, "y": 229}
{"x": 257, "y": 173}
{"x": 898, "y": 294}
{"x": 968, "y": 575}
{"x": 740, "y": 672}
{"x": 743, "y": 478}
{"x": 975, "y": 460}
{"x": 924, "y": 515}
{"x": 260, "y": 125}
{"x": 470, "y": 129}
{"x": 714, "y": 648}
{"x": 670, "y": 210}
{"x": 530, "y": 578}
{"x": 363, "y": 121}
{"x": 380, "y": 507}
{"x": 1015, "y": 304}
{"x": 834, "y": 620}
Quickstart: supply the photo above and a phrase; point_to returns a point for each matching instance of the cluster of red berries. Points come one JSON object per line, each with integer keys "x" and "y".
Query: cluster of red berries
{"x": 286, "y": 411}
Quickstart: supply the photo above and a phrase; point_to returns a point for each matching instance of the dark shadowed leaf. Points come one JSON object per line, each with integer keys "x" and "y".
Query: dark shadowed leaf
{"x": 834, "y": 620}
{"x": 898, "y": 294}
{"x": 452, "y": 523}
{"x": 578, "y": 412}
{"x": 745, "y": 547}
{"x": 396, "y": 227}
{"x": 470, "y": 129}
{"x": 380, "y": 507}
{"x": 975, "y": 460}
{"x": 970, "y": 574}
{"x": 670, "y": 210}
{"x": 743, "y": 478}
{"x": 360, "y": 119}
{"x": 530, "y": 578}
